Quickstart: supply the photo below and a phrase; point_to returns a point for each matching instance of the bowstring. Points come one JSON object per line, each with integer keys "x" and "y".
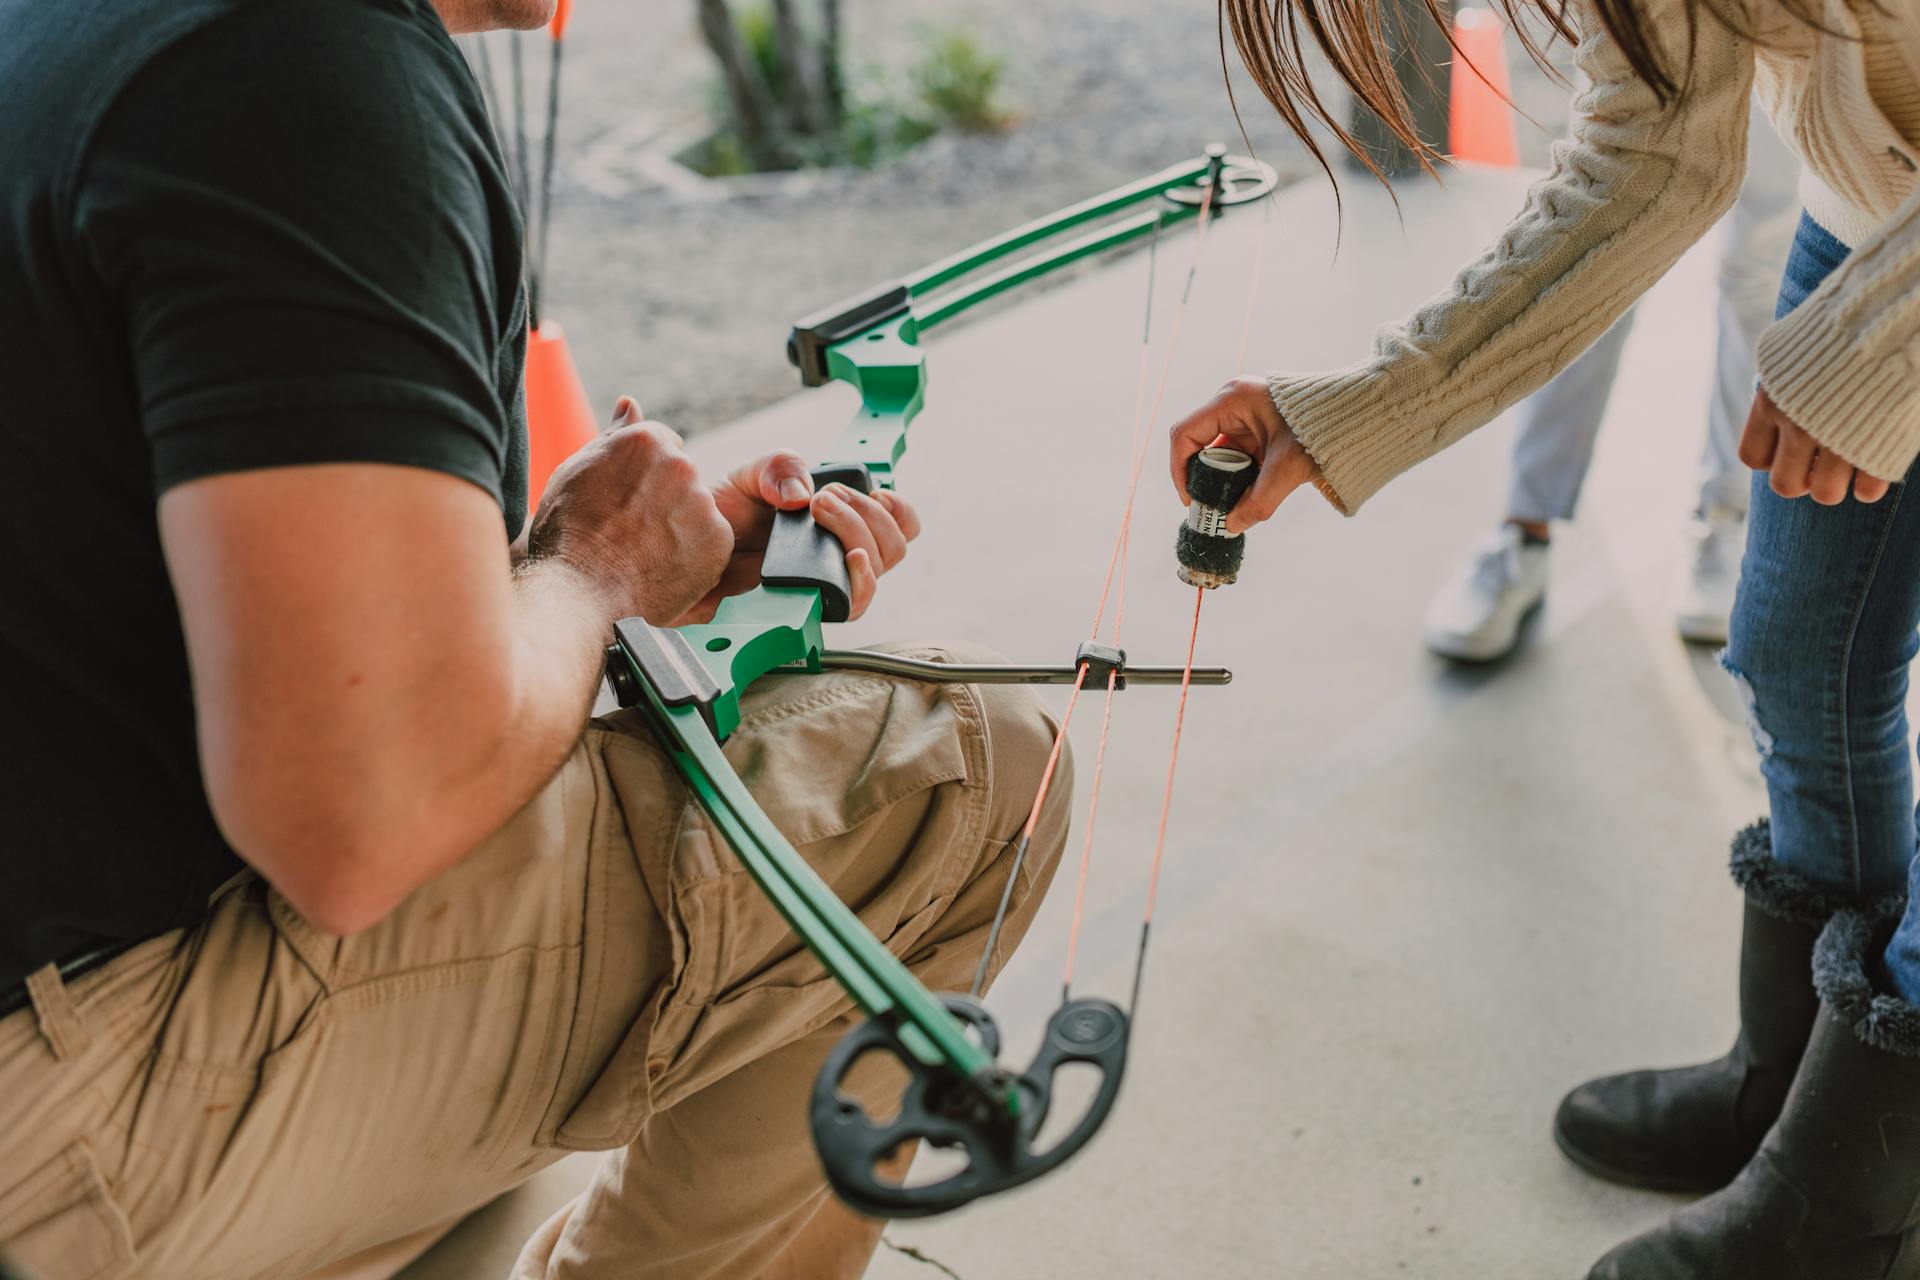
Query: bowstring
{"x": 1193, "y": 639}
{"x": 1119, "y": 616}
{"x": 1203, "y": 221}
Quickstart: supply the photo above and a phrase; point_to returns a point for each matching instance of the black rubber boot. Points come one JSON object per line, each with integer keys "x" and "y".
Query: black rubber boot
{"x": 1834, "y": 1193}
{"x": 1693, "y": 1128}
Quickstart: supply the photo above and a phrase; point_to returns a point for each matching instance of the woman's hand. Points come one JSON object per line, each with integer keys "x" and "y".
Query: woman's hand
{"x": 1242, "y": 416}
{"x": 1800, "y": 468}
{"x": 874, "y": 528}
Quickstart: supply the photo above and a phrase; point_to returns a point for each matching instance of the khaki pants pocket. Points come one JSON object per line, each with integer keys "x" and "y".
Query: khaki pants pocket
{"x": 62, "y": 1224}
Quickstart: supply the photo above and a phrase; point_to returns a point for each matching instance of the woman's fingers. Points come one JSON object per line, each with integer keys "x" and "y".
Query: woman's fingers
{"x": 1762, "y": 434}
{"x": 1284, "y": 468}
{"x": 1792, "y": 461}
{"x": 1829, "y": 478}
{"x": 1868, "y": 488}
{"x": 1189, "y": 436}
{"x": 1799, "y": 467}
{"x": 1241, "y": 415}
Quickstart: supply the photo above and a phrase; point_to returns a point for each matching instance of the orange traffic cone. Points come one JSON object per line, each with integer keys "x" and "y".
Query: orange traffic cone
{"x": 559, "y": 416}
{"x": 1480, "y": 127}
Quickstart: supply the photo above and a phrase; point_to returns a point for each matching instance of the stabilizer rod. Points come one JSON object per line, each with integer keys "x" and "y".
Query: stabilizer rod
{"x": 888, "y": 664}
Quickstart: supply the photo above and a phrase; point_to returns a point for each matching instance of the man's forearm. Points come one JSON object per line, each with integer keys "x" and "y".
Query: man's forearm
{"x": 562, "y": 625}
{"x": 491, "y": 761}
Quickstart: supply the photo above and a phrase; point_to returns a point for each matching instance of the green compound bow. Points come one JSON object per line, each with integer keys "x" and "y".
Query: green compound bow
{"x": 690, "y": 680}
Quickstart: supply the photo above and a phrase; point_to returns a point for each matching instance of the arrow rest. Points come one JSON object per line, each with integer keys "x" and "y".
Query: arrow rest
{"x": 995, "y": 1120}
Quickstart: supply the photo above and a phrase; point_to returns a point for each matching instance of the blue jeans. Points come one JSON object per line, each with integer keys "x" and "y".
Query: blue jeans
{"x": 1824, "y": 628}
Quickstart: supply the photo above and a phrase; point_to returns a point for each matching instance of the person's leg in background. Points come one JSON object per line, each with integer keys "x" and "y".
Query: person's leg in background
{"x": 1477, "y": 614}
{"x": 1756, "y": 234}
{"x": 1823, "y": 634}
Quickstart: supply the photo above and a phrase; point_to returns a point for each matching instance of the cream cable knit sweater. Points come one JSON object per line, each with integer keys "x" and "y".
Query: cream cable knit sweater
{"x": 1635, "y": 188}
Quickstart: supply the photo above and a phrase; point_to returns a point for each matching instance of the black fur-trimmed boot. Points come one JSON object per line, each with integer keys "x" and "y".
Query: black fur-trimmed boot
{"x": 1693, "y": 1128}
{"x": 1834, "y": 1192}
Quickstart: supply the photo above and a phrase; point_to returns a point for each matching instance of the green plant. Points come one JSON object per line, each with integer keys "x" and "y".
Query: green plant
{"x": 723, "y": 156}
{"x": 783, "y": 101}
{"x": 959, "y": 82}
{"x": 877, "y": 129}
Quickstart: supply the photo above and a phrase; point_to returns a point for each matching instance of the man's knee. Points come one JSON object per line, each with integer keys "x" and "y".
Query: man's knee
{"x": 1022, "y": 733}
{"x": 1022, "y": 736}
{"x": 1025, "y": 831}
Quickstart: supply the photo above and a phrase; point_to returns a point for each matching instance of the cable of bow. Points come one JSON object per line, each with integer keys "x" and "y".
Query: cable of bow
{"x": 1114, "y": 588}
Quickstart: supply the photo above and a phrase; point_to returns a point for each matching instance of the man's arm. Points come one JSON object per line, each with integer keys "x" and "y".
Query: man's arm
{"x": 375, "y": 694}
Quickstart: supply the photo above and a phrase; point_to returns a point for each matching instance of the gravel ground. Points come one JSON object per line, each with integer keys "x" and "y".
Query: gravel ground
{"x": 685, "y": 302}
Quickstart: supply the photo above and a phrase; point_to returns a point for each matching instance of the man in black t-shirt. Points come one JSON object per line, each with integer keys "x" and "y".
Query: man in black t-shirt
{"x": 321, "y": 922}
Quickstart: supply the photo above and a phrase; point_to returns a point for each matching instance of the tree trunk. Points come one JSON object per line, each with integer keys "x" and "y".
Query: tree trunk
{"x": 833, "y": 85}
{"x": 805, "y": 109}
{"x": 752, "y": 105}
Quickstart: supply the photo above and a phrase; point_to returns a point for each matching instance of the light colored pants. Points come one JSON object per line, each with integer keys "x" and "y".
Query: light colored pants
{"x": 1560, "y": 422}
{"x": 252, "y": 1099}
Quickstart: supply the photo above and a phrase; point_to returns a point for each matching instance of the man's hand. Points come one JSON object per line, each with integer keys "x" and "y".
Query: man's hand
{"x": 1242, "y": 416}
{"x": 1800, "y": 468}
{"x": 874, "y": 528}
{"x": 628, "y": 513}
{"x": 435, "y": 693}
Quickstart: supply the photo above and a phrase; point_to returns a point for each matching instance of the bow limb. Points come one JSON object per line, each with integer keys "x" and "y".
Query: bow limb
{"x": 689, "y": 682}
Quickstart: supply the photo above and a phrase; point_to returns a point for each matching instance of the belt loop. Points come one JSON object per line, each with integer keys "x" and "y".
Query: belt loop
{"x": 59, "y": 1020}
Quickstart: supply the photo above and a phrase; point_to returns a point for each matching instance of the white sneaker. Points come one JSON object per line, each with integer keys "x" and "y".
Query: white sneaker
{"x": 1718, "y": 539}
{"x": 1477, "y": 615}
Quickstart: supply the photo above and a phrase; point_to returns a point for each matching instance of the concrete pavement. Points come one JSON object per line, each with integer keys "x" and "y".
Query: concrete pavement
{"x": 1406, "y": 906}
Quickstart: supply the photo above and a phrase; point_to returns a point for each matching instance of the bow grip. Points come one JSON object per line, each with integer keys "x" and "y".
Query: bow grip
{"x": 802, "y": 554}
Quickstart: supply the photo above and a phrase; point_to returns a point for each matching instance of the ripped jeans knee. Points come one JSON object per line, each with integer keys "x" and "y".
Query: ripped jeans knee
{"x": 1762, "y": 739}
{"x": 1828, "y": 725}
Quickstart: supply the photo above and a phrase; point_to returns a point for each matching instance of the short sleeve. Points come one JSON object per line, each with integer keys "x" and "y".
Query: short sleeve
{"x": 300, "y": 219}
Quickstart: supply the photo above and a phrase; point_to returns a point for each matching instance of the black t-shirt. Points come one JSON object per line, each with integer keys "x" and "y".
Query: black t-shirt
{"x": 233, "y": 234}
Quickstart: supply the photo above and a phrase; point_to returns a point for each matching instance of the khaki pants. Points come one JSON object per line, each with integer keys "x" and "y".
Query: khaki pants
{"x": 254, "y": 1099}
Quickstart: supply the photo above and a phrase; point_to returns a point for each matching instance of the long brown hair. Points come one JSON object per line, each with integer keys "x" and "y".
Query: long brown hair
{"x": 1276, "y": 39}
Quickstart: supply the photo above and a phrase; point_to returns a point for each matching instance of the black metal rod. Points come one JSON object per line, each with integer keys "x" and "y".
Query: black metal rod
{"x": 522, "y": 182}
{"x": 890, "y": 664}
{"x": 539, "y": 255}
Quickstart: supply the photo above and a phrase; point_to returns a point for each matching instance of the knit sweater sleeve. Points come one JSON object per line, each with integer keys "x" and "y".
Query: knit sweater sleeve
{"x": 1638, "y": 184}
{"x": 1845, "y": 364}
